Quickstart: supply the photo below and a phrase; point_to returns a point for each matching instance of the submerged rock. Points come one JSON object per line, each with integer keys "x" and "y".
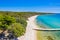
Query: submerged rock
{"x": 49, "y": 38}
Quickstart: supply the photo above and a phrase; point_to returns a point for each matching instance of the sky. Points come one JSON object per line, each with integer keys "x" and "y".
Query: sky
{"x": 30, "y": 5}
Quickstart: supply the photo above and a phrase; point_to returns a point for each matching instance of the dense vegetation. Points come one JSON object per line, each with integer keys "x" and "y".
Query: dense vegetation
{"x": 6, "y": 21}
{"x": 18, "y": 29}
{"x": 23, "y": 15}
{"x": 10, "y": 23}
{"x": 15, "y": 22}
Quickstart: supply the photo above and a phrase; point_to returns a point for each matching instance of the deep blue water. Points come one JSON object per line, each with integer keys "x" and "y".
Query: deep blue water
{"x": 49, "y": 21}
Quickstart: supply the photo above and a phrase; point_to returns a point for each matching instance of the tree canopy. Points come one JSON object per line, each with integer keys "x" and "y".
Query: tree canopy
{"x": 10, "y": 23}
{"x": 18, "y": 30}
{"x": 6, "y": 21}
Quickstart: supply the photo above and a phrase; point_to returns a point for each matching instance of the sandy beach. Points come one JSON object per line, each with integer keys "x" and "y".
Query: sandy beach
{"x": 30, "y": 32}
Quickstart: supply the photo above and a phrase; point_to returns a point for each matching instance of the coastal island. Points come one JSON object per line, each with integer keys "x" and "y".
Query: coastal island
{"x": 19, "y": 25}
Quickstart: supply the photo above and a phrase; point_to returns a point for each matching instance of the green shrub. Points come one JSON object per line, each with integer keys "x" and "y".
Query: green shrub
{"x": 6, "y": 21}
{"x": 23, "y": 22}
{"x": 18, "y": 30}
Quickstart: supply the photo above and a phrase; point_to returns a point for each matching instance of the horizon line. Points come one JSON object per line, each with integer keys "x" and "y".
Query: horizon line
{"x": 27, "y": 11}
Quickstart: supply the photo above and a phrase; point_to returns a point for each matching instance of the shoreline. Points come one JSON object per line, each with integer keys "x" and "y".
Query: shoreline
{"x": 30, "y": 34}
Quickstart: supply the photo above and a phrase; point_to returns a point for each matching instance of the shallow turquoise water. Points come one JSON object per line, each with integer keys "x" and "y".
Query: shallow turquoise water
{"x": 49, "y": 21}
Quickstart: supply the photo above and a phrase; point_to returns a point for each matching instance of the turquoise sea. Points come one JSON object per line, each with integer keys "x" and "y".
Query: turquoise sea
{"x": 49, "y": 21}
